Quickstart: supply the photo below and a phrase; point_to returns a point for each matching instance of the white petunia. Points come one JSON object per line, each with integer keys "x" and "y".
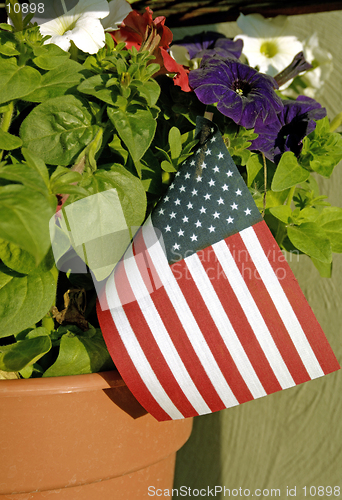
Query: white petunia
{"x": 322, "y": 66}
{"x": 266, "y": 43}
{"x": 118, "y": 10}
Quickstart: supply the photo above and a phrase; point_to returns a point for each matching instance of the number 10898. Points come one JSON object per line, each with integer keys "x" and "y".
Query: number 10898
{"x": 26, "y": 8}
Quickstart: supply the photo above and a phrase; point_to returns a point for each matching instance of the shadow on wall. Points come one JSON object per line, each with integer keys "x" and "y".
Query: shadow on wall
{"x": 198, "y": 464}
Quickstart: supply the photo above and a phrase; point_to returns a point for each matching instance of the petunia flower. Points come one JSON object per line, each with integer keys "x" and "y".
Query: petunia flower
{"x": 294, "y": 122}
{"x": 321, "y": 61}
{"x": 81, "y": 24}
{"x": 145, "y": 33}
{"x": 241, "y": 92}
{"x": 191, "y": 49}
{"x": 266, "y": 44}
{"x": 118, "y": 10}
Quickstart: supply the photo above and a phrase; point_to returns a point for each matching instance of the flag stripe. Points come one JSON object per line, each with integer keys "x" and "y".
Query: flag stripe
{"x": 187, "y": 319}
{"x": 131, "y": 359}
{"x": 161, "y": 336}
{"x": 179, "y": 337}
{"x": 235, "y": 312}
{"x": 299, "y": 304}
{"x": 210, "y": 332}
{"x": 224, "y": 326}
{"x": 273, "y": 335}
{"x": 281, "y": 302}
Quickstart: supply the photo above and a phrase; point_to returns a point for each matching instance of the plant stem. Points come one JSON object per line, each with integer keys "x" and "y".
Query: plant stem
{"x": 290, "y": 196}
{"x": 48, "y": 321}
{"x": 6, "y": 121}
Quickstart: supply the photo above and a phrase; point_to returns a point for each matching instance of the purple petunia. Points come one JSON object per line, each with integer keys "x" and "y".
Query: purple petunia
{"x": 211, "y": 43}
{"x": 286, "y": 133}
{"x": 241, "y": 92}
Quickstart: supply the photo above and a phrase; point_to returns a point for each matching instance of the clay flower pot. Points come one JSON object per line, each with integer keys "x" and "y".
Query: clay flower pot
{"x": 83, "y": 437}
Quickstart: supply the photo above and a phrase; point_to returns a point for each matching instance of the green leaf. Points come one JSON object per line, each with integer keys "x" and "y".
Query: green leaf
{"x": 37, "y": 164}
{"x": 59, "y": 129}
{"x": 25, "y": 175}
{"x": 24, "y": 353}
{"x": 324, "y": 269}
{"x": 149, "y": 90}
{"x": 24, "y": 300}
{"x": 136, "y": 128}
{"x": 175, "y": 142}
{"x": 253, "y": 165}
{"x": 282, "y": 212}
{"x": 16, "y": 81}
{"x": 60, "y": 81}
{"x": 16, "y": 258}
{"x": 288, "y": 173}
{"x": 330, "y": 220}
{"x": 8, "y": 44}
{"x": 9, "y": 141}
{"x": 79, "y": 354}
{"x": 167, "y": 166}
{"x": 96, "y": 86}
{"x": 24, "y": 219}
{"x": 50, "y": 56}
{"x": 309, "y": 238}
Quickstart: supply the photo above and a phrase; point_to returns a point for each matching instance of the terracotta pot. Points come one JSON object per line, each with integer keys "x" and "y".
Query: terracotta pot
{"x": 83, "y": 437}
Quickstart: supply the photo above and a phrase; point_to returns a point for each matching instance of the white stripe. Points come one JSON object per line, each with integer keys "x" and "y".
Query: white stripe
{"x": 161, "y": 335}
{"x": 224, "y": 326}
{"x": 253, "y": 315}
{"x": 281, "y": 303}
{"x": 135, "y": 352}
{"x": 186, "y": 317}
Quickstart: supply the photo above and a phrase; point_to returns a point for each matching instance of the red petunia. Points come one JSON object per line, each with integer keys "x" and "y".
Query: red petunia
{"x": 144, "y": 33}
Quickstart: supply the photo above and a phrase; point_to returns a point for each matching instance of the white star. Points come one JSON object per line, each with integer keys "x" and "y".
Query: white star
{"x": 194, "y": 192}
{"x": 173, "y": 215}
{"x": 199, "y": 178}
{"x": 172, "y": 186}
{"x": 220, "y": 201}
{"x": 168, "y": 229}
{"x": 207, "y": 196}
{"x": 230, "y": 220}
{"x": 177, "y": 174}
{"x": 229, "y": 173}
{"x": 204, "y": 165}
{"x": 182, "y": 189}
{"x": 216, "y": 169}
{"x": 185, "y": 219}
{"x": 198, "y": 151}
{"x": 234, "y": 206}
{"x": 187, "y": 175}
{"x": 216, "y": 215}
{"x": 166, "y": 198}
{"x": 180, "y": 232}
{"x": 211, "y": 229}
{"x": 248, "y": 211}
{"x": 203, "y": 210}
{"x": 177, "y": 202}
{"x": 192, "y": 163}
{"x": 161, "y": 211}
{"x": 220, "y": 155}
{"x": 190, "y": 205}
{"x": 225, "y": 187}
{"x": 208, "y": 152}
{"x": 176, "y": 246}
{"x": 211, "y": 183}
{"x": 213, "y": 139}
{"x": 198, "y": 224}
{"x": 238, "y": 192}
{"x": 193, "y": 237}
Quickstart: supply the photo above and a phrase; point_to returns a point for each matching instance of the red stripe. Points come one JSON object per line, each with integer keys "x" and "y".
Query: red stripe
{"x": 124, "y": 364}
{"x": 151, "y": 350}
{"x": 239, "y": 322}
{"x": 210, "y": 332}
{"x": 299, "y": 304}
{"x": 267, "y": 309}
{"x": 181, "y": 341}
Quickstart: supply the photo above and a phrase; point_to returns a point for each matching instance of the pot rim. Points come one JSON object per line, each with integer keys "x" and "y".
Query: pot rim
{"x": 60, "y": 385}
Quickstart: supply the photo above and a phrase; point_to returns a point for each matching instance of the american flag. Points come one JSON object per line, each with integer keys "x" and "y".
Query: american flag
{"x": 203, "y": 312}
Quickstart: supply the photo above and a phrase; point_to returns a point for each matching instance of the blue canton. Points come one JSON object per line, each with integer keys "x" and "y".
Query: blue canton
{"x": 207, "y": 201}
